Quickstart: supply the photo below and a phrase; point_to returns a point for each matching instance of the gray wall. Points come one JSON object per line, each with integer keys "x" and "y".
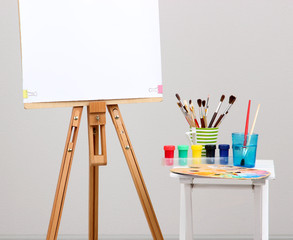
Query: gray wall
{"x": 211, "y": 47}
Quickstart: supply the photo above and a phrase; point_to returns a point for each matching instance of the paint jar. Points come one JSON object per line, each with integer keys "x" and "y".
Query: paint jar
{"x": 244, "y": 155}
{"x": 224, "y": 153}
{"x": 210, "y": 153}
{"x": 169, "y": 151}
{"x": 183, "y": 154}
{"x": 196, "y": 153}
{"x": 169, "y": 154}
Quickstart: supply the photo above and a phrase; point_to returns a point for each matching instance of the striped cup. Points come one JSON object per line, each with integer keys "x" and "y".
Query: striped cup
{"x": 203, "y": 136}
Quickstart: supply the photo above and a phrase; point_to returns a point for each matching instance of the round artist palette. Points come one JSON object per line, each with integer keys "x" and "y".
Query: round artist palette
{"x": 222, "y": 171}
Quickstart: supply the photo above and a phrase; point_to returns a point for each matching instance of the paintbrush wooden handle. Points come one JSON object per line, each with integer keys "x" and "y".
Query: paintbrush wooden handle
{"x": 213, "y": 119}
{"x": 202, "y": 123}
{"x": 218, "y": 121}
{"x": 196, "y": 123}
{"x": 188, "y": 120}
{"x": 205, "y": 121}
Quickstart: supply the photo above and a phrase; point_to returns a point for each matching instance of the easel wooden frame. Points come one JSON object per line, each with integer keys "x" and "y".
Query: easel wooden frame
{"x": 96, "y": 132}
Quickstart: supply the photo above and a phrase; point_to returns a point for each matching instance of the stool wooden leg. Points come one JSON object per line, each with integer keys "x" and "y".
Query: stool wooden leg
{"x": 64, "y": 174}
{"x": 135, "y": 171}
{"x": 261, "y": 211}
{"x": 186, "y": 222}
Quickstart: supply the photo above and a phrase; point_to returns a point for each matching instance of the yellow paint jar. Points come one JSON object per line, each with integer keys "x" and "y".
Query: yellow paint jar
{"x": 196, "y": 153}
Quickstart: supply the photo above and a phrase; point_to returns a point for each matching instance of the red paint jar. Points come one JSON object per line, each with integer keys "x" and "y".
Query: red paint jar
{"x": 169, "y": 151}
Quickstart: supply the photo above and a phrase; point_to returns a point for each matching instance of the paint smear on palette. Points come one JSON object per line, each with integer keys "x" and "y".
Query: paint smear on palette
{"x": 222, "y": 171}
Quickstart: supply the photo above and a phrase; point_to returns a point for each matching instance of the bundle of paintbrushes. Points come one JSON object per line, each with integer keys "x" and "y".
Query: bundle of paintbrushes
{"x": 201, "y": 121}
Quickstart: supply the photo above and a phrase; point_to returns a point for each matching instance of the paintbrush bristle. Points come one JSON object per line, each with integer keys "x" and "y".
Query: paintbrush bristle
{"x": 179, "y": 104}
{"x": 232, "y": 99}
{"x": 178, "y": 97}
{"x": 222, "y": 98}
{"x": 192, "y": 106}
{"x": 199, "y": 102}
{"x": 190, "y": 101}
{"x": 185, "y": 103}
{"x": 203, "y": 103}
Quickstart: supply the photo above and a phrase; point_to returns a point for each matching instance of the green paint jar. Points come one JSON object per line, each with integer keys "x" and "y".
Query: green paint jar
{"x": 183, "y": 154}
{"x": 183, "y": 151}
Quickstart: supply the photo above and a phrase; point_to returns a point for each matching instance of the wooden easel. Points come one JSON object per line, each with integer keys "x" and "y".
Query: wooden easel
{"x": 96, "y": 112}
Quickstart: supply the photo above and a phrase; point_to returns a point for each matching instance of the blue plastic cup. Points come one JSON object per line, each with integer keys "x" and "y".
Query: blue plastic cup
{"x": 244, "y": 156}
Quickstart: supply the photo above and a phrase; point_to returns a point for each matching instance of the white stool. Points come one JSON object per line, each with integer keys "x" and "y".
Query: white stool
{"x": 261, "y": 199}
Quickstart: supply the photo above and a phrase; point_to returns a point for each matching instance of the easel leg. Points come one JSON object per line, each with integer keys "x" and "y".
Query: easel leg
{"x": 96, "y": 128}
{"x": 135, "y": 171}
{"x": 93, "y": 202}
{"x": 64, "y": 174}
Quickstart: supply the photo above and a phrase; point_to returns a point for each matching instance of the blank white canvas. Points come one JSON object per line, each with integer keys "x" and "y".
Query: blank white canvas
{"x": 90, "y": 49}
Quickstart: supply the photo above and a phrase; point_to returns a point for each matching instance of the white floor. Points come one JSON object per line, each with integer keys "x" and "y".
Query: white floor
{"x": 141, "y": 237}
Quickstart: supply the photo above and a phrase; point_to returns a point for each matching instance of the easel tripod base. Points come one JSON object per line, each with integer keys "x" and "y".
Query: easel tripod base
{"x": 98, "y": 156}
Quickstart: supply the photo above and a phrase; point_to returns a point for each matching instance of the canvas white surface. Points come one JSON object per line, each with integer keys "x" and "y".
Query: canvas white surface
{"x": 90, "y": 49}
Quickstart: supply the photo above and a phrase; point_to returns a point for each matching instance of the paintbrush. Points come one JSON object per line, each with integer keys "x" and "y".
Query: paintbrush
{"x": 188, "y": 114}
{"x": 204, "y": 112}
{"x": 193, "y": 113}
{"x": 203, "y": 102}
{"x": 207, "y": 108}
{"x": 179, "y": 99}
{"x": 200, "y": 113}
{"x": 252, "y": 129}
{"x": 191, "y": 107}
{"x": 182, "y": 108}
{"x": 254, "y": 121}
{"x": 217, "y": 110}
{"x": 182, "y": 105}
{"x": 246, "y": 133}
{"x": 185, "y": 105}
{"x": 232, "y": 99}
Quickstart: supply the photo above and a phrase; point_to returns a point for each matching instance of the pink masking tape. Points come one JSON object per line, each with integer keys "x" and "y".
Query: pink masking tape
{"x": 160, "y": 88}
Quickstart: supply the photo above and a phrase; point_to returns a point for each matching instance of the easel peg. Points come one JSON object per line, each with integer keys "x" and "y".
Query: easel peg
{"x": 69, "y": 150}
{"x": 127, "y": 147}
{"x": 117, "y": 117}
{"x": 75, "y": 118}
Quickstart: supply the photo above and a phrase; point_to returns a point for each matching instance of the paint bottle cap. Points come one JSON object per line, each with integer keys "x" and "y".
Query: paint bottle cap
{"x": 224, "y": 146}
{"x": 210, "y": 147}
{"x": 169, "y": 147}
{"x": 183, "y": 147}
{"x": 196, "y": 147}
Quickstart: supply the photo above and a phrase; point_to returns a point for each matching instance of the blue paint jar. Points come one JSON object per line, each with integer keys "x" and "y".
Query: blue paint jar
{"x": 224, "y": 153}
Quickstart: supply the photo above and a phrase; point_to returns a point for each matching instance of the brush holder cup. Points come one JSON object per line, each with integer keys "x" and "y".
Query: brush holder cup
{"x": 244, "y": 154}
{"x": 202, "y": 136}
